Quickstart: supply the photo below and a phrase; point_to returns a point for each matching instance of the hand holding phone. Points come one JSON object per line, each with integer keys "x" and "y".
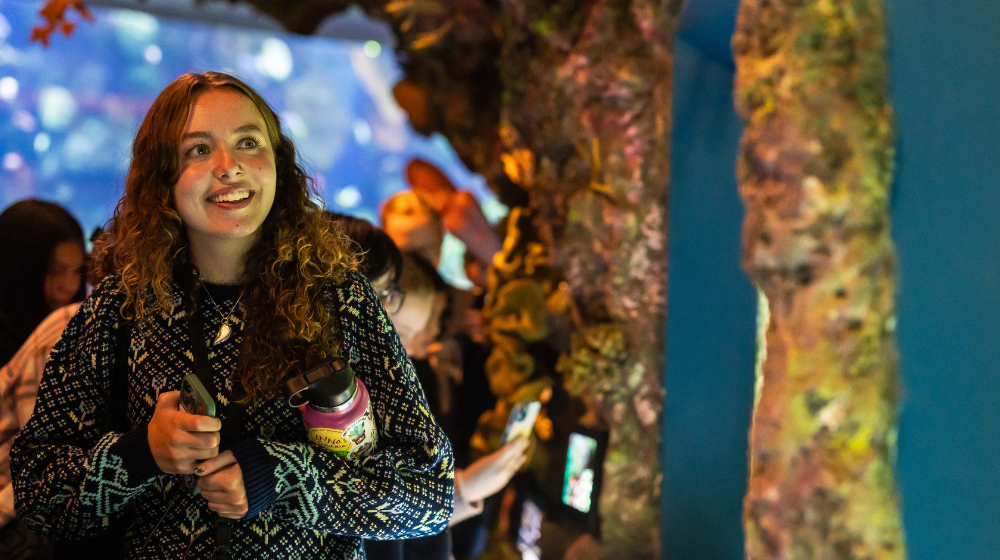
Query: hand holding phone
{"x": 178, "y": 439}
{"x": 489, "y": 474}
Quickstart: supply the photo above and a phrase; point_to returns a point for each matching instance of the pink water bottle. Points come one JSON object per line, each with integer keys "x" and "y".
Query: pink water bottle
{"x": 335, "y": 409}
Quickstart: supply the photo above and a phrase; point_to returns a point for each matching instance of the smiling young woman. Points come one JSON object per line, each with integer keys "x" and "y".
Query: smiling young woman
{"x": 214, "y": 191}
{"x": 227, "y": 179}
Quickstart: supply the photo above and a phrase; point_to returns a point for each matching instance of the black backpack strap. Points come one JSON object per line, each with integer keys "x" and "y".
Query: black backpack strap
{"x": 196, "y": 331}
{"x": 116, "y": 420}
{"x": 233, "y": 419}
{"x": 232, "y": 425}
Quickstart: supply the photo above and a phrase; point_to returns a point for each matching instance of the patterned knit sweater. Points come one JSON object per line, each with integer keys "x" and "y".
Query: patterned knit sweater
{"x": 71, "y": 479}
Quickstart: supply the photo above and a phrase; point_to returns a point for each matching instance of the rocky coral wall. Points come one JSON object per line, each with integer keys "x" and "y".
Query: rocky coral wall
{"x": 586, "y": 130}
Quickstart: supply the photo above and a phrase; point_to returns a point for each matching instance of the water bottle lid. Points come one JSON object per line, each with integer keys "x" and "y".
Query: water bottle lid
{"x": 335, "y": 391}
{"x": 329, "y": 385}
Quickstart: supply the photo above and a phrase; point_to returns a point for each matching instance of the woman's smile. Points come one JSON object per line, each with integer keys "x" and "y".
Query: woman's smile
{"x": 236, "y": 196}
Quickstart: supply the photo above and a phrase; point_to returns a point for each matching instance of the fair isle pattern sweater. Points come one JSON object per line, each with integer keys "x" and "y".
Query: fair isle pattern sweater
{"x": 71, "y": 479}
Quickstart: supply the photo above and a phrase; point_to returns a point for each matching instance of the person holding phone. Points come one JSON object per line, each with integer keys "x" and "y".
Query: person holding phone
{"x": 215, "y": 200}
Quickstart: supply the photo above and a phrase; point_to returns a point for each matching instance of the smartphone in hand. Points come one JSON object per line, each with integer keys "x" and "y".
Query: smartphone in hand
{"x": 195, "y": 398}
{"x": 521, "y": 421}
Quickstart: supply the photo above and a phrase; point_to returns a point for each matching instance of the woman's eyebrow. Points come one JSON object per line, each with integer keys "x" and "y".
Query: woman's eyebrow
{"x": 199, "y": 134}
{"x": 190, "y": 135}
{"x": 247, "y": 128}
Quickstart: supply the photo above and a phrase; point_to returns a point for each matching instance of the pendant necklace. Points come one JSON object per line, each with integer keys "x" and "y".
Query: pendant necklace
{"x": 225, "y": 330}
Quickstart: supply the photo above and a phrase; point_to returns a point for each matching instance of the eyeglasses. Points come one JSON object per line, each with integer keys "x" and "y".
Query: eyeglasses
{"x": 392, "y": 299}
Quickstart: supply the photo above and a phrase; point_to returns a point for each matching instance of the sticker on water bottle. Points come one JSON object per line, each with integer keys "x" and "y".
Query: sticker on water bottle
{"x": 353, "y": 442}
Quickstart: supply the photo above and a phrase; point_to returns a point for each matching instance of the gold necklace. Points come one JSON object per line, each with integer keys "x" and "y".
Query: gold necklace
{"x": 224, "y": 330}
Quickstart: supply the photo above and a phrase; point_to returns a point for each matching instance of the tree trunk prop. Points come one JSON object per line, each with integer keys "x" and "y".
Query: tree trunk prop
{"x": 586, "y": 127}
{"x": 815, "y": 168}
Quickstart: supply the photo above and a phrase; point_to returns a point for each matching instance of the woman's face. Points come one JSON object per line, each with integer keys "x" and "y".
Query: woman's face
{"x": 62, "y": 281}
{"x": 227, "y": 170}
{"x": 412, "y": 227}
{"x": 418, "y": 321}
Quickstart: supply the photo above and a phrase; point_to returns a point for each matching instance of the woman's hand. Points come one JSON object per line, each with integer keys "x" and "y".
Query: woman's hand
{"x": 179, "y": 440}
{"x": 221, "y": 483}
{"x": 491, "y": 473}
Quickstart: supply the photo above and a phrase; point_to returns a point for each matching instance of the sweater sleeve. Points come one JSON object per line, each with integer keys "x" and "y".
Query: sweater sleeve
{"x": 70, "y": 478}
{"x": 404, "y": 488}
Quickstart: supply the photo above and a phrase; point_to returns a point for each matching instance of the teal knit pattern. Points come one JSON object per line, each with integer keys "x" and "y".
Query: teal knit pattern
{"x": 71, "y": 480}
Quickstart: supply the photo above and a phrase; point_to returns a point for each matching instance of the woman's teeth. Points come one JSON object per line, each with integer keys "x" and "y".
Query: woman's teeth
{"x": 231, "y": 197}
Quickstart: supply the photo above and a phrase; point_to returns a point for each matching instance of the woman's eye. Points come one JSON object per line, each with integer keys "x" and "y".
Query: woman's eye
{"x": 197, "y": 150}
{"x": 249, "y": 143}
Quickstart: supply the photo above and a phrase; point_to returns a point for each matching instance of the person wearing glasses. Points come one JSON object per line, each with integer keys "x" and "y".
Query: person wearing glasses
{"x": 417, "y": 300}
{"x": 380, "y": 259}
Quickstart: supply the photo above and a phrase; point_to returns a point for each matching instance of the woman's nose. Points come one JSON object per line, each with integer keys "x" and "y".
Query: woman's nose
{"x": 226, "y": 165}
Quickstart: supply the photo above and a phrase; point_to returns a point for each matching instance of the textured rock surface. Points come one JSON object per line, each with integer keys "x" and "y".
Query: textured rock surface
{"x": 815, "y": 168}
{"x": 586, "y": 127}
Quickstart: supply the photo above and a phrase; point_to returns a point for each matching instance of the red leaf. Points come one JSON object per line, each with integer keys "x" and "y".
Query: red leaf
{"x": 54, "y": 14}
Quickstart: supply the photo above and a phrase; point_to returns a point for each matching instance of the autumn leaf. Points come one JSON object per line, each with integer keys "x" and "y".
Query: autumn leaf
{"x": 54, "y": 13}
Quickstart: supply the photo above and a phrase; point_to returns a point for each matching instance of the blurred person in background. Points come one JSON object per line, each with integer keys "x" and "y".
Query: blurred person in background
{"x": 41, "y": 262}
{"x": 41, "y": 268}
{"x": 381, "y": 262}
{"x": 18, "y": 388}
{"x": 458, "y": 212}
{"x": 451, "y": 368}
{"x": 413, "y": 225}
{"x": 417, "y": 300}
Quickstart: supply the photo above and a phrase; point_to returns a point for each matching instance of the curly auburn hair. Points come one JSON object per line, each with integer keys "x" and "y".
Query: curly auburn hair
{"x": 286, "y": 323}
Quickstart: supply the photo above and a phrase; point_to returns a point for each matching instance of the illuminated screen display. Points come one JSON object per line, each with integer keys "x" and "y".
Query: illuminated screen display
{"x": 530, "y": 531}
{"x": 578, "y": 483}
{"x": 68, "y": 112}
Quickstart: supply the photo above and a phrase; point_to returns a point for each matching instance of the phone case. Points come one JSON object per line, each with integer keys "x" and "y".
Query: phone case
{"x": 195, "y": 398}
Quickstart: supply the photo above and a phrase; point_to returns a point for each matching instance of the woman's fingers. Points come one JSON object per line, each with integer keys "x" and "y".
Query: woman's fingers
{"x": 513, "y": 455}
{"x": 199, "y": 440}
{"x": 226, "y": 509}
{"x": 169, "y": 399}
{"x": 221, "y": 484}
{"x": 514, "y": 449}
{"x": 197, "y": 456}
{"x": 196, "y": 423}
{"x": 518, "y": 446}
{"x": 224, "y": 512}
{"x": 216, "y": 463}
{"x": 177, "y": 439}
{"x": 221, "y": 497}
